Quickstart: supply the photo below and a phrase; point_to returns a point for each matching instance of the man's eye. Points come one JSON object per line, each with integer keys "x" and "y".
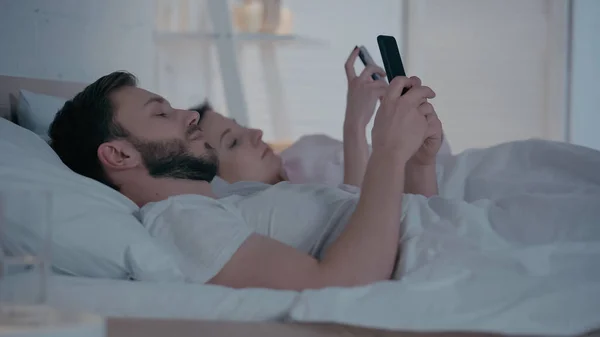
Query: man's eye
{"x": 233, "y": 144}
{"x": 161, "y": 114}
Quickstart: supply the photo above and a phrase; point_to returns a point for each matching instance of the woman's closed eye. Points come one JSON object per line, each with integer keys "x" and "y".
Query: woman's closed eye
{"x": 233, "y": 144}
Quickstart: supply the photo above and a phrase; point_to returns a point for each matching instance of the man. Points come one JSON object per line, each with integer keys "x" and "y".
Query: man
{"x": 285, "y": 237}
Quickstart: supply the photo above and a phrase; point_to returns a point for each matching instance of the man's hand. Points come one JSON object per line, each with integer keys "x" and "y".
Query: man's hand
{"x": 400, "y": 124}
{"x": 426, "y": 154}
{"x": 420, "y": 170}
{"x": 363, "y": 93}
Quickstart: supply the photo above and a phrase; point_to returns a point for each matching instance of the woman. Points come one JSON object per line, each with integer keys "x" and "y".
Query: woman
{"x": 244, "y": 156}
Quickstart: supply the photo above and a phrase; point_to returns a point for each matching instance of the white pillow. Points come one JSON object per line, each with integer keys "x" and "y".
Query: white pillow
{"x": 35, "y": 112}
{"x": 95, "y": 230}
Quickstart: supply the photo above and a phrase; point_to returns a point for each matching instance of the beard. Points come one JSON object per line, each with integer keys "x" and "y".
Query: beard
{"x": 172, "y": 159}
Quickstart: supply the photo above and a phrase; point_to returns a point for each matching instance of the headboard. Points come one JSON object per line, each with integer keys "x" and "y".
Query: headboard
{"x": 10, "y": 85}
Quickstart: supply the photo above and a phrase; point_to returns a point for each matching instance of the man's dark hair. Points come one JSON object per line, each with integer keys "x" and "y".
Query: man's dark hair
{"x": 87, "y": 121}
{"x": 202, "y": 108}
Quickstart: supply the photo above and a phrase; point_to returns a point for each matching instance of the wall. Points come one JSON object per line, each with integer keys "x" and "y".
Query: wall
{"x": 585, "y": 75}
{"x": 488, "y": 62}
{"x": 314, "y": 79}
{"x": 312, "y": 75}
{"x": 77, "y": 40}
{"x": 81, "y": 40}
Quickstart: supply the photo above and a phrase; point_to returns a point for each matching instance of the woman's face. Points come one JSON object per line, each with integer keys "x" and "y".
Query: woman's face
{"x": 242, "y": 154}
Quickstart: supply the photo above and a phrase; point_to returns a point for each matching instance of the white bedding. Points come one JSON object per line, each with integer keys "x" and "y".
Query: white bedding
{"x": 520, "y": 255}
{"x": 318, "y": 158}
{"x": 121, "y": 298}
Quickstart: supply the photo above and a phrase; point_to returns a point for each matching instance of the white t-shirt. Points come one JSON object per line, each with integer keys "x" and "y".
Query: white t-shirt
{"x": 203, "y": 233}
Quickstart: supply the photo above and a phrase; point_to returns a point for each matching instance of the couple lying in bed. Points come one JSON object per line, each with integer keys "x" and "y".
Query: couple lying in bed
{"x": 283, "y": 236}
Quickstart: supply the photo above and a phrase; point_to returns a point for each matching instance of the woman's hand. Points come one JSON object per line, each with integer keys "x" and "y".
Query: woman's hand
{"x": 363, "y": 92}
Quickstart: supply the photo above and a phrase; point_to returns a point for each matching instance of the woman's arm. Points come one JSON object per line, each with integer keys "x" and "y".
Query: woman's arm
{"x": 362, "y": 96}
{"x": 356, "y": 153}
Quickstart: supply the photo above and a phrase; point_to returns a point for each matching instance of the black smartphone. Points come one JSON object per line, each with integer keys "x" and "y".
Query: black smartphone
{"x": 391, "y": 57}
{"x": 366, "y": 59}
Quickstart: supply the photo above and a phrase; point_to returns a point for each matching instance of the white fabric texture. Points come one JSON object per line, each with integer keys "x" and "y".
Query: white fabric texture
{"x": 161, "y": 300}
{"x": 203, "y": 233}
{"x": 94, "y": 227}
{"x": 35, "y": 111}
{"x": 319, "y": 158}
{"x": 511, "y": 245}
{"x": 520, "y": 254}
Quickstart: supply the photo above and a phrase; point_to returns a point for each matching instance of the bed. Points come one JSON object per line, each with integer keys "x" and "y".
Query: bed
{"x": 155, "y": 309}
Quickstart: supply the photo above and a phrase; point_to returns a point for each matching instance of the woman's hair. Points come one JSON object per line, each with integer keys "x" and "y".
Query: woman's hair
{"x": 202, "y": 108}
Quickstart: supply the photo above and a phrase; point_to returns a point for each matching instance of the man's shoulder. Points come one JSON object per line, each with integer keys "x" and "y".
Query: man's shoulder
{"x": 243, "y": 188}
{"x": 299, "y": 195}
{"x": 248, "y": 187}
{"x": 183, "y": 200}
{"x": 183, "y": 203}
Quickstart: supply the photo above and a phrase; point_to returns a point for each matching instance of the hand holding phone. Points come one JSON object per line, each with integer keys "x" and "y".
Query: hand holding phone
{"x": 364, "y": 90}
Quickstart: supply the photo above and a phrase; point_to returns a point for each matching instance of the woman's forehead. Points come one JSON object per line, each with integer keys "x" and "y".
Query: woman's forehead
{"x": 214, "y": 124}
{"x": 215, "y": 121}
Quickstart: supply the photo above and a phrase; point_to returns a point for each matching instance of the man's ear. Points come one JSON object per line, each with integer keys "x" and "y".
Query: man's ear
{"x": 118, "y": 155}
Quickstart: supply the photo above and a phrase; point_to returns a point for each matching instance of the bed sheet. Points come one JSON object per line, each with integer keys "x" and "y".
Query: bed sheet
{"x": 486, "y": 293}
{"x": 511, "y": 244}
{"x": 544, "y": 281}
{"x": 477, "y": 299}
{"x": 135, "y": 299}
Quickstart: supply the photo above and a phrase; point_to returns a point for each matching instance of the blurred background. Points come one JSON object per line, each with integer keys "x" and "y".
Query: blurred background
{"x": 503, "y": 69}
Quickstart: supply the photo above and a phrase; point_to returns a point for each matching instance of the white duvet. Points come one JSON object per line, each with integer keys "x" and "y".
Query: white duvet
{"x": 512, "y": 245}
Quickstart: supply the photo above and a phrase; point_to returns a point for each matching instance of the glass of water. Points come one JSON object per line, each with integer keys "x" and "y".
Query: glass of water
{"x": 25, "y": 247}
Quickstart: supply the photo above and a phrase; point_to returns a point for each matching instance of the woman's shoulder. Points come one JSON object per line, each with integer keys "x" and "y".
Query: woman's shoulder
{"x": 315, "y": 158}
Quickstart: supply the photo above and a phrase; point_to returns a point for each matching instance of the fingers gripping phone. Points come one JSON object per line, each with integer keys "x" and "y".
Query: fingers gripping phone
{"x": 391, "y": 57}
{"x": 366, "y": 59}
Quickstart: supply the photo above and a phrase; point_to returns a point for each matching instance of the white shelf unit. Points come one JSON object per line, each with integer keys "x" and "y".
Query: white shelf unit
{"x": 239, "y": 37}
